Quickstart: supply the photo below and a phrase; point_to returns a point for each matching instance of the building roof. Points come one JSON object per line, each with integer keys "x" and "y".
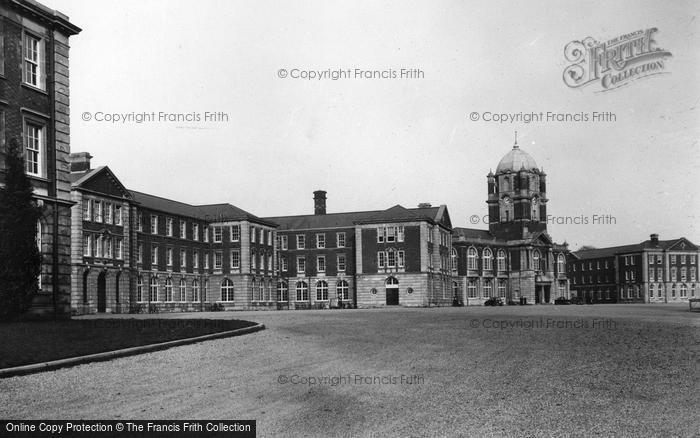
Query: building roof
{"x": 472, "y": 233}
{"x": 396, "y": 213}
{"x": 595, "y": 253}
{"x": 57, "y": 18}
{"x": 515, "y": 160}
{"x": 211, "y": 213}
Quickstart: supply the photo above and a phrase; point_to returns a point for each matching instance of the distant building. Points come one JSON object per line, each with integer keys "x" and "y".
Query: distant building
{"x": 515, "y": 258}
{"x": 653, "y": 271}
{"x": 34, "y": 110}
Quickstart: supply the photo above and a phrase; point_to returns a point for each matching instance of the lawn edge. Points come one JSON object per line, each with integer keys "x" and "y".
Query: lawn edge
{"x": 131, "y": 351}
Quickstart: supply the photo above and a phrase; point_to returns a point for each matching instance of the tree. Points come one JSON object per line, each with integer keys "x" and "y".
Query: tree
{"x": 20, "y": 259}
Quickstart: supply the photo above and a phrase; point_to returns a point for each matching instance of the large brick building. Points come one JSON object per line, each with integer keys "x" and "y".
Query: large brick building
{"x": 653, "y": 271}
{"x": 515, "y": 258}
{"x": 34, "y": 111}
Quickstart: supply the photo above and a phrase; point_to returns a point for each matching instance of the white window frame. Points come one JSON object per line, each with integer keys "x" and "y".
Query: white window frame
{"x": 341, "y": 262}
{"x": 218, "y": 260}
{"x": 195, "y": 231}
{"x": 321, "y": 240}
{"x": 301, "y": 265}
{"x": 340, "y": 240}
{"x": 217, "y": 234}
{"x": 235, "y": 259}
{"x": 154, "y": 224}
{"x": 169, "y": 226}
{"x": 301, "y": 241}
{"x": 235, "y": 233}
{"x": 321, "y": 264}
{"x": 183, "y": 258}
{"x": 284, "y": 242}
{"x": 32, "y": 73}
{"x": 183, "y": 229}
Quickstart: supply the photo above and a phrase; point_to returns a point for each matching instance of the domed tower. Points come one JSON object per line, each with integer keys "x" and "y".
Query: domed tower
{"x": 517, "y": 197}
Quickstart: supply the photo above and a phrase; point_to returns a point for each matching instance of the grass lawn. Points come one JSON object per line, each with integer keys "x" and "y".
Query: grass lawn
{"x": 41, "y": 341}
{"x": 610, "y": 370}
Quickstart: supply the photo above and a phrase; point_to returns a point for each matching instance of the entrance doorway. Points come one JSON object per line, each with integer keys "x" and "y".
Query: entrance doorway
{"x": 102, "y": 293}
{"x": 392, "y": 291}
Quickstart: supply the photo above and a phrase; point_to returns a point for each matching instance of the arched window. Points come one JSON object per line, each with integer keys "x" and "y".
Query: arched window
{"x": 453, "y": 257}
{"x": 536, "y": 260}
{"x": 254, "y": 289}
{"x": 153, "y": 290}
{"x": 342, "y": 290}
{"x": 302, "y": 291}
{"x": 168, "y": 289}
{"x": 506, "y": 184}
{"x": 183, "y": 290}
{"x": 502, "y": 288}
{"x": 673, "y": 291}
{"x": 471, "y": 259}
{"x": 392, "y": 281}
{"x": 562, "y": 289}
{"x": 205, "y": 290}
{"x": 487, "y": 259}
{"x": 684, "y": 291}
{"x": 139, "y": 289}
{"x": 321, "y": 291}
{"x": 471, "y": 289}
{"x": 282, "y": 291}
{"x": 226, "y": 290}
{"x": 487, "y": 288}
{"x": 501, "y": 260}
{"x": 195, "y": 290}
{"x": 561, "y": 263}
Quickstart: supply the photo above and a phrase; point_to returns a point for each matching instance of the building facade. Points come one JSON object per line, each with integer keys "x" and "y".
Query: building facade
{"x": 653, "y": 271}
{"x": 34, "y": 111}
{"x": 515, "y": 259}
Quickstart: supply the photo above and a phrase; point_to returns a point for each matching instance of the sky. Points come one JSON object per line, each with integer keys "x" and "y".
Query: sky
{"x": 372, "y": 143}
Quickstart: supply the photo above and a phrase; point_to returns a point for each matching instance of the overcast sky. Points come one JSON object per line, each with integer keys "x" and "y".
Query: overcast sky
{"x": 374, "y": 143}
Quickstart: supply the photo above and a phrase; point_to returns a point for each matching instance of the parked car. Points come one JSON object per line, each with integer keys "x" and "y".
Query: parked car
{"x": 493, "y": 301}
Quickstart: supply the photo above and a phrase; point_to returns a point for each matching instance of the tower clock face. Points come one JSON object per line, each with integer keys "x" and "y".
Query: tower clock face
{"x": 507, "y": 200}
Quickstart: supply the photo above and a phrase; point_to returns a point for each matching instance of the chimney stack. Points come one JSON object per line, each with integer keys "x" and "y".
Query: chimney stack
{"x": 319, "y": 202}
{"x": 79, "y": 161}
{"x": 654, "y": 239}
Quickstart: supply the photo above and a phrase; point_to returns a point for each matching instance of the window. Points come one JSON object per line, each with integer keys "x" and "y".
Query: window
{"x": 206, "y": 260}
{"x": 341, "y": 262}
{"x": 402, "y": 259}
{"x": 400, "y": 235}
{"x": 195, "y": 260}
{"x": 282, "y": 291}
{"x": 391, "y": 259}
{"x": 471, "y": 259}
{"x": 183, "y": 290}
{"x": 139, "y": 289}
{"x": 684, "y": 274}
{"x": 560, "y": 263}
{"x": 487, "y": 288}
{"x": 154, "y": 255}
{"x": 302, "y": 290}
{"x": 285, "y": 264}
{"x": 168, "y": 289}
{"x": 488, "y": 259}
{"x": 562, "y": 290}
{"x": 262, "y": 236}
{"x": 169, "y": 226}
{"x": 33, "y": 53}
{"x": 269, "y": 237}
{"x": 262, "y": 262}
{"x": 269, "y": 263}
{"x": 659, "y": 274}
{"x": 320, "y": 241}
{"x": 217, "y": 234}
{"x": 301, "y": 265}
{"x": 684, "y": 290}
{"x": 154, "y": 224}
{"x": 673, "y": 259}
{"x": 195, "y": 290}
{"x": 301, "y": 241}
{"x": 253, "y": 234}
{"x": 87, "y": 245}
{"x": 206, "y": 234}
{"x": 87, "y": 210}
{"x": 501, "y": 260}
{"x": 321, "y": 264}
{"x": 453, "y": 259}
{"x": 381, "y": 259}
{"x": 340, "y": 240}
{"x": 139, "y": 222}
{"x": 235, "y": 259}
{"x": 118, "y": 250}
{"x": 692, "y": 259}
{"x": 235, "y": 233}
{"x": 536, "y": 260}
{"x": 502, "y": 288}
{"x": 183, "y": 258}
{"x": 321, "y": 291}
{"x": 342, "y": 290}
{"x": 673, "y": 291}
{"x": 108, "y": 213}
{"x": 183, "y": 229}
{"x": 253, "y": 261}
{"x": 390, "y": 234}
{"x": 651, "y": 274}
{"x": 169, "y": 256}
{"x": 226, "y": 290}
{"x": 153, "y": 290}
{"x": 218, "y": 260}
{"x": 117, "y": 215}
{"x": 692, "y": 273}
{"x": 195, "y": 231}
{"x": 380, "y": 235}
{"x": 205, "y": 290}
{"x": 284, "y": 242}
{"x": 673, "y": 274}
{"x": 471, "y": 289}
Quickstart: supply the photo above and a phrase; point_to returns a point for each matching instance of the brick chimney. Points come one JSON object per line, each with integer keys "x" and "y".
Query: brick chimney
{"x": 654, "y": 239}
{"x": 79, "y": 161}
{"x": 319, "y": 202}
